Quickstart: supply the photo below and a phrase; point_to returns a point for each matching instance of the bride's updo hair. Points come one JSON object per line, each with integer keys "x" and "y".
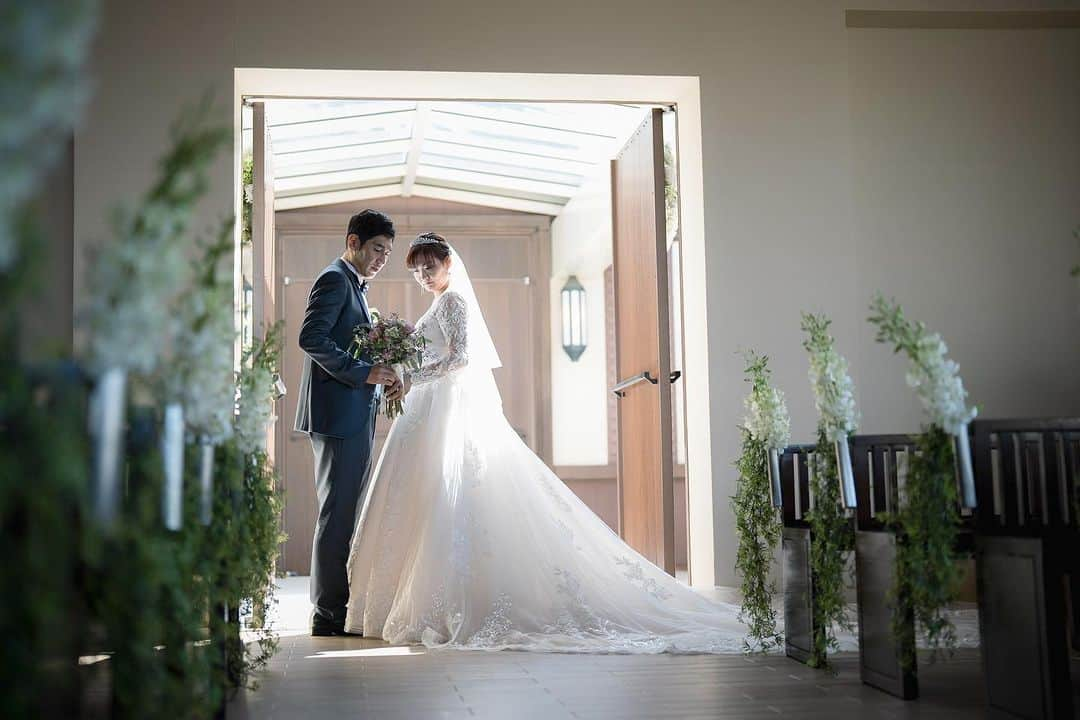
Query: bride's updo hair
{"x": 427, "y": 247}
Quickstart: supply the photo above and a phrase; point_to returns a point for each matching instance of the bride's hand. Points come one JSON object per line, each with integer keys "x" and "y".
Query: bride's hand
{"x": 395, "y": 391}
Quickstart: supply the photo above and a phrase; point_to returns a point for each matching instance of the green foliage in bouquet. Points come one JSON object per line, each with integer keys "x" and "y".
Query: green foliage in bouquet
{"x": 757, "y": 522}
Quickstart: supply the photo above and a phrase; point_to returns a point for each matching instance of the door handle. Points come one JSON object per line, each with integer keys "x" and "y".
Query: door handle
{"x": 675, "y": 375}
{"x": 620, "y": 389}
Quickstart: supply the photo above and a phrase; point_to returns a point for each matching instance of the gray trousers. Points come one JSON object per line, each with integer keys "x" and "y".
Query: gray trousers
{"x": 342, "y": 466}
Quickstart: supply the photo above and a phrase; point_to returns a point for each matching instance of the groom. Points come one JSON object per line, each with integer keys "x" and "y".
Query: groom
{"x": 337, "y": 406}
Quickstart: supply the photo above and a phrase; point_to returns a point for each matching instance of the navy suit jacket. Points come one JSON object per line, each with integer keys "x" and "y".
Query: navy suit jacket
{"x": 335, "y": 398}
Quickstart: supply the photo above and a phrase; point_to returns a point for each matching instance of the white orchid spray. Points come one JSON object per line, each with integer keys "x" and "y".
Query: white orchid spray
{"x": 201, "y": 378}
{"x": 766, "y": 418}
{"x": 255, "y": 392}
{"x": 934, "y": 377}
{"x": 832, "y": 483}
{"x": 927, "y": 573}
{"x": 766, "y": 429}
{"x": 45, "y": 47}
{"x": 834, "y": 392}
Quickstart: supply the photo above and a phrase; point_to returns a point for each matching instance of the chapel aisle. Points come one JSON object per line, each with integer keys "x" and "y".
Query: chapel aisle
{"x": 337, "y": 678}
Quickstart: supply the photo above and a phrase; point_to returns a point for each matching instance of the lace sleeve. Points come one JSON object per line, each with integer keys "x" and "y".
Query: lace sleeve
{"x": 453, "y": 315}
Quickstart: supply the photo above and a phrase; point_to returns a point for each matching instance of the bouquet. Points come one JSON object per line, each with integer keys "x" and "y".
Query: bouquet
{"x": 389, "y": 341}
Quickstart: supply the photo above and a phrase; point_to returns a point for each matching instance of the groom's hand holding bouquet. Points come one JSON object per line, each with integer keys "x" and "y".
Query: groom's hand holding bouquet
{"x": 393, "y": 342}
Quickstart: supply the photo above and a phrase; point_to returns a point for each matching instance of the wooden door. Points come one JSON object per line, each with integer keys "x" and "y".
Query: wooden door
{"x": 646, "y": 497}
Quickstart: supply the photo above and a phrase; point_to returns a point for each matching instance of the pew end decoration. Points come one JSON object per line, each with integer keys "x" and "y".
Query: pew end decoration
{"x": 765, "y": 430}
{"x": 832, "y": 484}
{"x": 927, "y": 574}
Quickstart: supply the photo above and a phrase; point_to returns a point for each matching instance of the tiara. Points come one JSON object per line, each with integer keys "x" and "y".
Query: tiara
{"x": 428, "y": 239}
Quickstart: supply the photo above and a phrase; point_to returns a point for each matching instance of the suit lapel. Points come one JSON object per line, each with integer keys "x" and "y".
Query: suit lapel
{"x": 354, "y": 283}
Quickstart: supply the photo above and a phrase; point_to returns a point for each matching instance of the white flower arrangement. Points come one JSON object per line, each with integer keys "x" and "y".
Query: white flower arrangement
{"x": 834, "y": 392}
{"x": 255, "y": 408}
{"x": 132, "y": 282}
{"x": 766, "y": 410}
{"x": 45, "y": 48}
{"x": 934, "y": 377}
{"x": 134, "y": 279}
{"x": 256, "y": 391}
{"x": 936, "y": 380}
{"x": 202, "y": 376}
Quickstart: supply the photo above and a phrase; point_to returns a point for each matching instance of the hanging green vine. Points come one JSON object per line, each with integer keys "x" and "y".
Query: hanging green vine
{"x": 757, "y": 522}
{"x": 833, "y": 539}
{"x": 247, "y": 172}
{"x": 927, "y": 573}
{"x": 149, "y": 590}
{"x": 833, "y": 535}
{"x": 246, "y": 511}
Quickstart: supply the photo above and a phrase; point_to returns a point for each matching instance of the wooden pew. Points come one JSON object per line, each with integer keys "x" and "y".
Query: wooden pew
{"x": 1027, "y": 475}
{"x": 880, "y": 465}
{"x": 795, "y": 548}
{"x": 878, "y": 462}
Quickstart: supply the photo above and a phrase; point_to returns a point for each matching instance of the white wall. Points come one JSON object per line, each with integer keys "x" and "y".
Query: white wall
{"x": 581, "y": 246}
{"x": 812, "y": 197}
{"x": 967, "y": 193}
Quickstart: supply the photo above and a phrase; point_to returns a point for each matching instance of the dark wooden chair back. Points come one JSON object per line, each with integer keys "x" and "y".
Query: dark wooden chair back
{"x": 1027, "y": 477}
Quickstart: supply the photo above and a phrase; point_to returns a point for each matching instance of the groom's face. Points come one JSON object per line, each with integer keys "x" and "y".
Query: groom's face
{"x": 369, "y": 258}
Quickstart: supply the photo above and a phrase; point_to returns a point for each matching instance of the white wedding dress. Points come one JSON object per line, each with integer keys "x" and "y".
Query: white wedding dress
{"x": 466, "y": 539}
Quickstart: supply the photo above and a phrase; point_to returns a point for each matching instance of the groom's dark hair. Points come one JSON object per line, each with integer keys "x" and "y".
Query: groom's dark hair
{"x": 366, "y": 224}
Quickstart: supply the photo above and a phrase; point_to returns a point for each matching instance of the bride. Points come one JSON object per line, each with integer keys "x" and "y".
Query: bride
{"x": 467, "y": 540}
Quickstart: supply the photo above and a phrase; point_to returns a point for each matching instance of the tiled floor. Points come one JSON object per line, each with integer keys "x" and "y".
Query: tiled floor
{"x": 361, "y": 678}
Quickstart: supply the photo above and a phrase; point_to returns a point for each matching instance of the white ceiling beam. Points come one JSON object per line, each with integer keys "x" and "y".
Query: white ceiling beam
{"x": 419, "y": 130}
{"x": 495, "y": 201}
{"x": 336, "y": 196}
{"x": 493, "y": 183}
{"x": 338, "y": 180}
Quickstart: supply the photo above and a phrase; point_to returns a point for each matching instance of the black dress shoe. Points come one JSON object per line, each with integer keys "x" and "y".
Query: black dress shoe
{"x": 321, "y": 627}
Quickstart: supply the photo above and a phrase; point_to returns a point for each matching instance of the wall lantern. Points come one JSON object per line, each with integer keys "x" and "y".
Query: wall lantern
{"x": 574, "y": 335}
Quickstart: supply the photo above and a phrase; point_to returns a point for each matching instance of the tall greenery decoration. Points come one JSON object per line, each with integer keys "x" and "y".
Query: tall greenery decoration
{"x": 833, "y": 539}
{"x": 260, "y": 496}
{"x": 247, "y": 173}
{"x": 43, "y": 474}
{"x": 927, "y": 521}
{"x": 833, "y": 536}
{"x": 757, "y": 522}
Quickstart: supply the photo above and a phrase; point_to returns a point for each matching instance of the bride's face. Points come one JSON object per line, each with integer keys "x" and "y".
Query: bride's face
{"x": 432, "y": 274}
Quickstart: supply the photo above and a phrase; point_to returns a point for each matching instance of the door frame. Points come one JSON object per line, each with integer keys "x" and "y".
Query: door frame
{"x": 682, "y": 92}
